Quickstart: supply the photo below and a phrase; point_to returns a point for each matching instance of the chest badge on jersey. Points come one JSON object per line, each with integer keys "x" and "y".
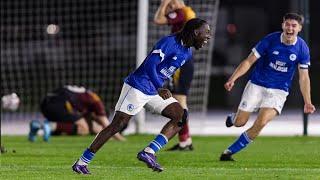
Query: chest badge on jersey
{"x": 293, "y": 57}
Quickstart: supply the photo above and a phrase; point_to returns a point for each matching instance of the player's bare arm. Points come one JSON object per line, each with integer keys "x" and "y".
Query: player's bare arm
{"x": 160, "y": 15}
{"x": 243, "y": 67}
{"x": 304, "y": 82}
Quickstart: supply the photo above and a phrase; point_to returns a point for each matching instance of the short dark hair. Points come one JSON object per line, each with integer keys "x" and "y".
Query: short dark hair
{"x": 187, "y": 32}
{"x": 294, "y": 16}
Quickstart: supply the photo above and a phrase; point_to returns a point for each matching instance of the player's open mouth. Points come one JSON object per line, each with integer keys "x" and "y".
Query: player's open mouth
{"x": 206, "y": 40}
{"x": 204, "y": 43}
{"x": 289, "y": 34}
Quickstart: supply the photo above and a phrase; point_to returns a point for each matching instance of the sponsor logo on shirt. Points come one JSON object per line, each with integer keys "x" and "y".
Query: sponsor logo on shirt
{"x": 279, "y": 66}
{"x": 168, "y": 72}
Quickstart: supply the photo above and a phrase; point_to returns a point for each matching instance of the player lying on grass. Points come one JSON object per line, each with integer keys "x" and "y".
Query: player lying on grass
{"x": 144, "y": 88}
{"x": 71, "y": 110}
{"x": 276, "y": 58}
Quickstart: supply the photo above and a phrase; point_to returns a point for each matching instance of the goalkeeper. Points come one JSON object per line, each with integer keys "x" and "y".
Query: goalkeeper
{"x": 71, "y": 110}
{"x": 175, "y": 13}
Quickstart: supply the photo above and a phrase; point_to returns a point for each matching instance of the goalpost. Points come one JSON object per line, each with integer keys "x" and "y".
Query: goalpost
{"x": 47, "y": 44}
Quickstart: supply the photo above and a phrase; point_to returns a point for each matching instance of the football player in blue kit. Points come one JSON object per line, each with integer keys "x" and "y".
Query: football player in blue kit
{"x": 144, "y": 88}
{"x": 276, "y": 58}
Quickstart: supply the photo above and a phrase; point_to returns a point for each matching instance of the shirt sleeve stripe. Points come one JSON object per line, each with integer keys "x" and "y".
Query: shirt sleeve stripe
{"x": 256, "y": 53}
{"x": 160, "y": 52}
{"x": 304, "y": 66}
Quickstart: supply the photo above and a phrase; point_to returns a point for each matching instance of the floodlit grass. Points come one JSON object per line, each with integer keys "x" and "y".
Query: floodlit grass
{"x": 266, "y": 158}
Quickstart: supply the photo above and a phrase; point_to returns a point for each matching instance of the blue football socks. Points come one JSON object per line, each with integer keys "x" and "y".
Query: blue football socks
{"x": 86, "y": 157}
{"x": 159, "y": 142}
{"x": 240, "y": 143}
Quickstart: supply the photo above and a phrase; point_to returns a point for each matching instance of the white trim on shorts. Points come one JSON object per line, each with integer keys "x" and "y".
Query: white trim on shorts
{"x": 255, "y": 97}
{"x": 131, "y": 101}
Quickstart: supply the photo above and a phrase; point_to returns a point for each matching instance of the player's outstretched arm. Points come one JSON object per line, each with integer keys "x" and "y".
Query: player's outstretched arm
{"x": 243, "y": 67}
{"x": 304, "y": 82}
{"x": 160, "y": 15}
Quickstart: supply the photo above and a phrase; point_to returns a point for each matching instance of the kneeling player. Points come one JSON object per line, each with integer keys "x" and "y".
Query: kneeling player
{"x": 71, "y": 110}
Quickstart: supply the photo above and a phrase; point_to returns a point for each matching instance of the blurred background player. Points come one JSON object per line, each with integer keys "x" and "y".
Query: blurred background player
{"x": 144, "y": 88}
{"x": 277, "y": 57}
{"x": 9, "y": 102}
{"x": 71, "y": 110}
{"x": 175, "y": 13}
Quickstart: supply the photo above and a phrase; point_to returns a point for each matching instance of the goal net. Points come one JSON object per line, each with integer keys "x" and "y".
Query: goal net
{"x": 47, "y": 44}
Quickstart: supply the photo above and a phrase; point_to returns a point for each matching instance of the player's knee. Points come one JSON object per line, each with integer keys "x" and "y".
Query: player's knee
{"x": 240, "y": 121}
{"x": 184, "y": 118}
{"x": 122, "y": 124}
{"x": 120, "y": 121}
{"x": 261, "y": 124}
{"x": 173, "y": 111}
{"x": 176, "y": 116}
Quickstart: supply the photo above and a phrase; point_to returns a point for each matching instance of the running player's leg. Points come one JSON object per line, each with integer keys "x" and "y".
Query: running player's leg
{"x": 238, "y": 119}
{"x": 265, "y": 115}
{"x": 270, "y": 107}
{"x": 130, "y": 102}
{"x": 271, "y": 103}
{"x": 171, "y": 109}
{"x": 250, "y": 101}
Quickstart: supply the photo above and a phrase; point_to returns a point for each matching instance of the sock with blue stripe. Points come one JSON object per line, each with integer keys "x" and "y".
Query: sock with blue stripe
{"x": 86, "y": 157}
{"x": 159, "y": 142}
{"x": 239, "y": 144}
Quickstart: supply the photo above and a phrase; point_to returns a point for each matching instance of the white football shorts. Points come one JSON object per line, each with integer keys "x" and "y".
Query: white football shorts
{"x": 255, "y": 97}
{"x": 131, "y": 101}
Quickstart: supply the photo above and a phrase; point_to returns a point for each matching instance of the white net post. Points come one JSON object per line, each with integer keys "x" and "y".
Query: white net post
{"x": 142, "y": 44}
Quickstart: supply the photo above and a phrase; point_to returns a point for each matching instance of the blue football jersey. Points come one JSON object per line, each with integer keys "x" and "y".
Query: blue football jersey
{"x": 164, "y": 59}
{"x": 277, "y": 62}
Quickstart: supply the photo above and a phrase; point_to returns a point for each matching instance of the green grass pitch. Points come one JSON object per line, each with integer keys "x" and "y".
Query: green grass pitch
{"x": 266, "y": 158}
